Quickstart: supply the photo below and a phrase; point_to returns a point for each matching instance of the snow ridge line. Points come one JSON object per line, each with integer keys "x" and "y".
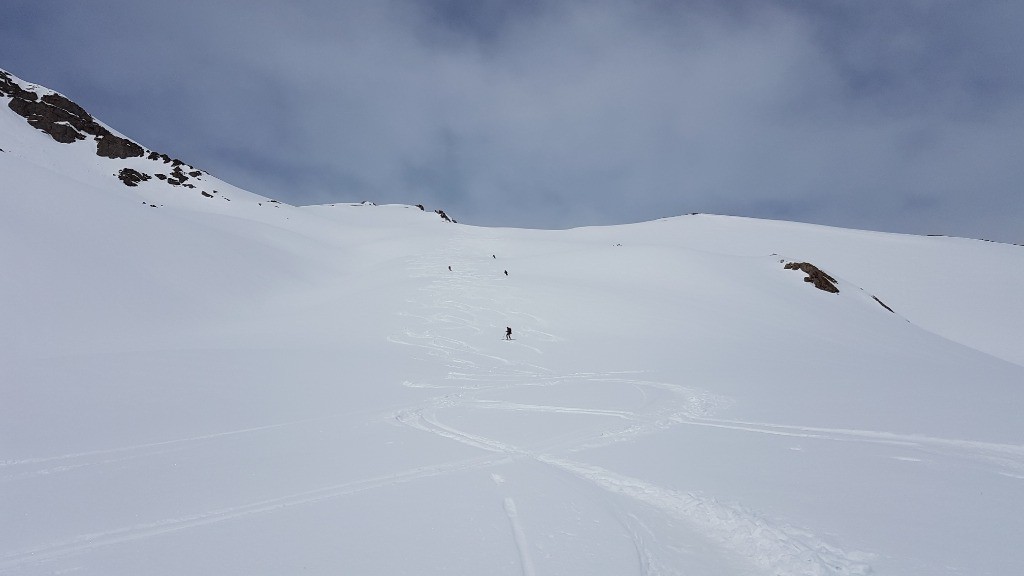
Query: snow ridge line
{"x": 781, "y": 550}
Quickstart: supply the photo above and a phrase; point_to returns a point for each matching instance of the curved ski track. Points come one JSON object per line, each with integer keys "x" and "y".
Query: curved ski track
{"x": 449, "y": 307}
{"x": 454, "y": 307}
{"x": 773, "y": 548}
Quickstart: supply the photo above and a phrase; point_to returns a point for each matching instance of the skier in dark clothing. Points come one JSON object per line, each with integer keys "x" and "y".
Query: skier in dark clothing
{"x": 508, "y": 333}
{"x": 506, "y": 272}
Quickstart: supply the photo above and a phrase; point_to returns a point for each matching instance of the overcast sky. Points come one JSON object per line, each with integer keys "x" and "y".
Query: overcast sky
{"x": 894, "y": 115}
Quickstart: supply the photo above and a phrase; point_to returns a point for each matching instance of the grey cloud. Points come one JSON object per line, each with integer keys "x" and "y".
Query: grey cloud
{"x": 894, "y": 116}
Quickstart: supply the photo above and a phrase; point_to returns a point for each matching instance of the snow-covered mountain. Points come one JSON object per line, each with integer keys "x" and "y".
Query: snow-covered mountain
{"x": 200, "y": 380}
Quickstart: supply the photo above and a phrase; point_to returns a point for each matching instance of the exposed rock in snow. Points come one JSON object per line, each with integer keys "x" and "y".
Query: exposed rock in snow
{"x": 67, "y": 122}
{"x": 64, "y": 120}
{"x": 132, "y": 177}
{"x": 816, "y": 276}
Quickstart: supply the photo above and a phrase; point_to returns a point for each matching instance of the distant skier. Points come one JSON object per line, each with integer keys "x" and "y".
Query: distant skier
{"x": 508, "y": 333}
{"x": 449, "y": 268}
{"x": 493, "y": 256}
{"x": 506, "y": 272}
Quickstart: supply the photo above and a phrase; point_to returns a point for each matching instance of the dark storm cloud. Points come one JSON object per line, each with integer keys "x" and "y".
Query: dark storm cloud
{"x": 902, "y": 116}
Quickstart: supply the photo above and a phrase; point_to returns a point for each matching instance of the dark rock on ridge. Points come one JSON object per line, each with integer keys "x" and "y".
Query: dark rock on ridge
{"x": 177, "y": 176}
{"x": 166, "y": 159}
{"x": 64, "y": 120}
{"x": 883, "y": 304}
{"x": 815, "y": 275}
{"x": 8, "y": 87}
{"x": 56, "y": 122}
{"x": 67, "y": 105}
{"x": 132, "y": 177}
{"x": 67, "y": 122}
{"x": 110, "y": 146}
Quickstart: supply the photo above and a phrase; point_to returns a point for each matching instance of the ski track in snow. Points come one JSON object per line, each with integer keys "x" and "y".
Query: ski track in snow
{"x": 448, "y": 309}
{"x": 10, "y": 562}
{"x": 776, "y": 549}
{"x": 1007, "y": 459}
{"x": 112, "y": 455}
{"x": 135, "y": 451}
{"x": 648, "y": 563}
{"x": 514, "y": 407}
{"x": 525, "y": 559}
{"x": 772, "y": 547}
{"x": 779, "y": 549}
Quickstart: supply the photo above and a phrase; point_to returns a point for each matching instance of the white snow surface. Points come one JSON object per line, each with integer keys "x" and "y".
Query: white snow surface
{"x": 232, "y": 386}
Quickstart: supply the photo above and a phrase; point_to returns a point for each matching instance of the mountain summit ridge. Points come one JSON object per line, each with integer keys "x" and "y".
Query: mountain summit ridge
{"x": 69, "y": 124}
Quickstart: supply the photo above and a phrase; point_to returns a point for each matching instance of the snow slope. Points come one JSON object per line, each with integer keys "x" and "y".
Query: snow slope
{"x": 198, "y": 385}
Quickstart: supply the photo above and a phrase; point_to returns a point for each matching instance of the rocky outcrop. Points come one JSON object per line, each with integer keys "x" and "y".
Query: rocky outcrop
{"x": 815, "y": 275}
{"x": 822, "y": 281}
{"x": 64, "y": 121}
{"x": 60, "y": 124}
{"x": 883, "y": 304}
{"x": 110, "y": 146}
{"x": 168, "y": 160}
{"x": 67, "y": 122}
{"x": 132, "y": 177}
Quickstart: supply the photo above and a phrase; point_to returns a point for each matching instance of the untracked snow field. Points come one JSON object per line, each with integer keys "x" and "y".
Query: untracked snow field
{"x": 205, "y": 386}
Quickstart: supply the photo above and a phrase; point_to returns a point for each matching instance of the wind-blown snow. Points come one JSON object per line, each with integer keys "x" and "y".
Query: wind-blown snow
{"x": 244, "y": 387}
